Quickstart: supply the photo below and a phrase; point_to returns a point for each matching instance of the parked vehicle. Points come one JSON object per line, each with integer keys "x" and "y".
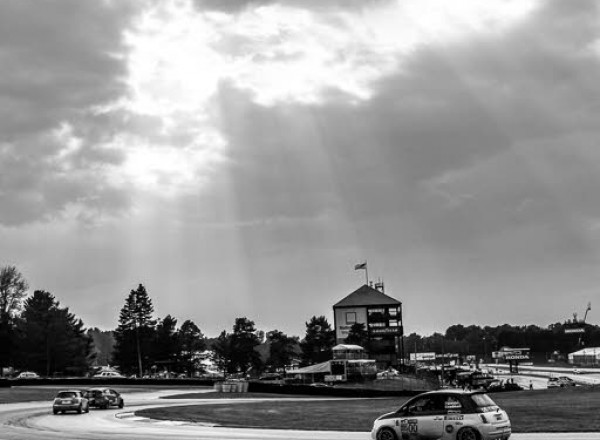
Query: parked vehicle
{"x": 104, "y": 397}
{"x": 445, "y": 414}
{"x": 566, "y": 381}
{"x": 562, "y": 381}
{"x": 108, "y": 375}
{"x": 28, "y": 375}
{"x": 70, "y": 400}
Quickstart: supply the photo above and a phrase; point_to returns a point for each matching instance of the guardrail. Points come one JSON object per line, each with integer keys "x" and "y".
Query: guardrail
{"x": 103, "y": 381}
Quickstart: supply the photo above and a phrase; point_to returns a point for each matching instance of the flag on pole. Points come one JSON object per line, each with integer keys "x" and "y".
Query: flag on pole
{"x": 360, "y": 266}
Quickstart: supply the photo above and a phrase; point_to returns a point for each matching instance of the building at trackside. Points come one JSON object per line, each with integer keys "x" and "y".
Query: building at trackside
{"x": 382, "y": 318}
{"x": 586, "y": 357}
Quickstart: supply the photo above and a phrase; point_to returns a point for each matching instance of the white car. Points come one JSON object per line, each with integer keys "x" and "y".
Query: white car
{"x": 562, "y": 381}
{"x": 28, "y": 375}
{"x": 447, "y": 415}
{"x": 109, "y": 375}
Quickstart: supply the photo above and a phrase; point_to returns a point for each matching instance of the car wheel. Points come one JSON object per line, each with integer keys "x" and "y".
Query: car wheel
{"x": 55, "y": 411}
{"x": 386, "y": 434}
{"x": 79, "y": 410}
{"x": 87, "y": 409}
{"x": 467, "y": 434}
{"x": 121, "y": 404}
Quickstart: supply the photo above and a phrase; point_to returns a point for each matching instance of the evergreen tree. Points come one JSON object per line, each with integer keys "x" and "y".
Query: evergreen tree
{"x": 135, "y": 335}
{"x": 318, "y": 342}
{"x": 51, "y": 339}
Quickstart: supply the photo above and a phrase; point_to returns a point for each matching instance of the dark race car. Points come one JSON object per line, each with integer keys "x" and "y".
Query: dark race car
{"x": 104, "y": 397}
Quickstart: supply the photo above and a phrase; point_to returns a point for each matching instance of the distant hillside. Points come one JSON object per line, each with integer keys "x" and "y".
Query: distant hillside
{"x": 104, "y": 343}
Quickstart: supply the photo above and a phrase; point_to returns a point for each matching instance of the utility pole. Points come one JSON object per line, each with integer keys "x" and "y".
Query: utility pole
{"x": 137, "y": 336}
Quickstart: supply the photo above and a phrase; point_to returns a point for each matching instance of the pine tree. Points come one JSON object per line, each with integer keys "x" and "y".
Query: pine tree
{"x": 135, "y": 335}
{"x": 51, "y": 339}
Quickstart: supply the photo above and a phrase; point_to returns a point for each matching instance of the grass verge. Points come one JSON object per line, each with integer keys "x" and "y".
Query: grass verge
{"x": 48, "y": 392}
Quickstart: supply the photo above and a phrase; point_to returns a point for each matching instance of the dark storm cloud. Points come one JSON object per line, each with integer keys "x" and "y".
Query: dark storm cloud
{"x": 465, "y": 144}
{"x": 63, "y": 61}
{"x": 63, "y": 56}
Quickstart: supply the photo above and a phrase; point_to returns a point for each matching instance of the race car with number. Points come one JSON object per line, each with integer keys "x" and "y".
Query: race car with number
{"x": 445, "y": 415}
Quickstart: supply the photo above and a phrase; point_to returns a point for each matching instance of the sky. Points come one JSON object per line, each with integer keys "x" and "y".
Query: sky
{"x": 238, "y": 158}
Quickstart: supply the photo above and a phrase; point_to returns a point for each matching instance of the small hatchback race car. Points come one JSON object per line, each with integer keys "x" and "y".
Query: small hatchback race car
{"x": 70, "y": 400}
{"x": 445, "y": 415}
{"x": 104, "y": 397}
{"x": 560, "y": 382}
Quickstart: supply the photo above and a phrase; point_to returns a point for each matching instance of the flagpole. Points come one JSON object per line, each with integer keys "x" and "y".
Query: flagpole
{"x": 367, "y": 272}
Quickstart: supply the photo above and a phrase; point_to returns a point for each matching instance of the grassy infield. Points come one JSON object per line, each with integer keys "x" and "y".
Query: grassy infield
{"x": 553, "y": 410}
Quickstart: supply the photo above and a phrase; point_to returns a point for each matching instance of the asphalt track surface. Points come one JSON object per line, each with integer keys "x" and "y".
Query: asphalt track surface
{"x": 35, "y": 421}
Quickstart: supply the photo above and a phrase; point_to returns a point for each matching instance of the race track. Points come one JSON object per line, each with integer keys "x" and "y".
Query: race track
{"x": 35, "y": 421}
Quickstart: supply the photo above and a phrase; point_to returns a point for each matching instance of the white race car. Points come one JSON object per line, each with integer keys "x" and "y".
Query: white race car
{"x": 445, "y": 415}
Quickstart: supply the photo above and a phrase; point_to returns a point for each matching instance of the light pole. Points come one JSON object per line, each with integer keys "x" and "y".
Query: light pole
{"x": 443, "y": 361}
{"x": 484, "y": 351}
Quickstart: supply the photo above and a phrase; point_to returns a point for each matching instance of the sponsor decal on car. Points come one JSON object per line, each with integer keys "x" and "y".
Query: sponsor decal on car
{"x": 454, "y": 417}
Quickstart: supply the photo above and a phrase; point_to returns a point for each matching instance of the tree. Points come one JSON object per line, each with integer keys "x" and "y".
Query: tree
{"x": 244, "y": 340}
{"x": 166, "y": 347}
{"x": 51, "y": 339}
{"x": 13, "y": 289}
{"x": 358, "y": 335}
{"x": 191, "y": 340}
{"x": 318, "y": 342}
{"x": 134, "y": 337}
{"x": 236, "y": 352}
{"x": 282, "y": 349}
{"x": 223, "y": 352}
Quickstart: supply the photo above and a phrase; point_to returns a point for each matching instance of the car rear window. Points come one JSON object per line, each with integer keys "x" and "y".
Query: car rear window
{"x": 67, "y": 395}
{"x": 484, "y": 402}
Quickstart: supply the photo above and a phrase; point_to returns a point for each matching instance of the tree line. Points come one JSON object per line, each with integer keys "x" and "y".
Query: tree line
{"x": 37, "y": 333}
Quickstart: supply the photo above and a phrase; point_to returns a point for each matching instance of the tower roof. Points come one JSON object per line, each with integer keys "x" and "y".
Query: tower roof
{"x": 367, "y": 296}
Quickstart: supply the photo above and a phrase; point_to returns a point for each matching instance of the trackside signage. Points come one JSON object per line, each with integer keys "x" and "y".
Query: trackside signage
{"x": 512, "y": 354}
{"x": 515, "y": 357}
{"x": 574, "y": 330}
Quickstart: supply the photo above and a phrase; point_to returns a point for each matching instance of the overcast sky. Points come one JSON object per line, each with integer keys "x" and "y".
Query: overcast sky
{"x": 238, "y": 158}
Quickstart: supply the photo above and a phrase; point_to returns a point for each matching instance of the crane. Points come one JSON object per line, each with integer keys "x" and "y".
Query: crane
{"x": 587, "y": 309}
